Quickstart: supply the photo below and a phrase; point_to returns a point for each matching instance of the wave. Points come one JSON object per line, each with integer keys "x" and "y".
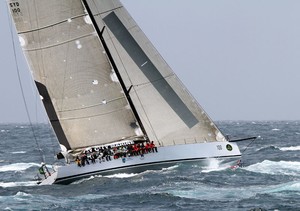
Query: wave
{"x": 291, "y": 168}
{"x": 271, "y": 147}
{"x": 291, "y": 148}
{"x": 19, "y": 152}
{"x": 205, "y": 192}
{"x": 17, "y": 184}
{"x": 291, "y": 186}
{"x": 121, "y": 175}
{"x": 4, "y": 131}
{"x": 214, "y": 164}
{"x": 170, "y": 168}
{"x": 163, "y": 170}
{"x": 23, "y": 194}
{"x": 17, "y": 167}
{"x": 83, "y": 180}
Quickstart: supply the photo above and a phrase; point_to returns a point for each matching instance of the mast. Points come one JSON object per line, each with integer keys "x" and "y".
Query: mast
{"x": 100, "y": 35}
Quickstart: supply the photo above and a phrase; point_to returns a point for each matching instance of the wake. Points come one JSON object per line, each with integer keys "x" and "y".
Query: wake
{"x": 213, "y": 164}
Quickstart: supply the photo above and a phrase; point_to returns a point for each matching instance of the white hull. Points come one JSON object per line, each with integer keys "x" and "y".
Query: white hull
{"x": 165, "y": 156}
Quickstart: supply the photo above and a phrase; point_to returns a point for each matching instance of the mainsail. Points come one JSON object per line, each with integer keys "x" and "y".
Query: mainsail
{"x": 67, "y": 58}
{"x": 86, "y": 104}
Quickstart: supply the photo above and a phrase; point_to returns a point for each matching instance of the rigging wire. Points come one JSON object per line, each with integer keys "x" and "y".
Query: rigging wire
{"x": 248, "y": 145}
{"x": 21, "y": 88}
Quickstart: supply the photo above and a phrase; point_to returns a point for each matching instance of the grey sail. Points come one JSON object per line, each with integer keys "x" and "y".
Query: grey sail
{"x": 168, "y": 111}
{"x": 86, "y": 104}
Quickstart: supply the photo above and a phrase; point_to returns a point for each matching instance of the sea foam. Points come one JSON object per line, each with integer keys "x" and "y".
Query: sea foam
{"x": 17, "y": 167}
{"x": 17, "y": 184}
{"x": 291, "y": 148}
{"x": 19, "y": 152}
{"x": 121, "y": 175}
{"x": 291, "y": 168}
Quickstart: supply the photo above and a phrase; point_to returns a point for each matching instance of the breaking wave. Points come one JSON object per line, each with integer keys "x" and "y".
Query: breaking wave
{"x": 291, "y": 148}
{"x": 19, "y": 152}
{"x": 291, "y": 186}
{"x": 214, "y": 165}
{"x": 17, "y": 167}
{"x": 17, "y": 184}
{"x": 291, "y": 168}
{"x": 121, "y": 175}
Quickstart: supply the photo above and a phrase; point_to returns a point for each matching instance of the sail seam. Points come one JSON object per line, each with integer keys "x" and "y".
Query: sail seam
{"x": 51, "y": 25}
{"x": 85, "y": 117}
{"x": 153, "y": 81}
{"x": 101, "y": 13}
{"x": 91, "y": 106}
{"x": 61, "y": 43}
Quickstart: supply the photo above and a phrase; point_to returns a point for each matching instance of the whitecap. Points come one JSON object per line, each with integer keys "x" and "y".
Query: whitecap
{"x": 170, "y": 168}
{"x": 208, "y": 170}
{"x": 275, "y": 129}
{"x": 17, "y": 167}
{"x": 17, "y": 184}
{"x": 214, "y": 164}
{"x": 290, "y": 186}
{"x": 291, "y": 168}
{"x": 121, "y": 175}
{"x": 86, "y": 179}
{"x": 204, "y": 192}
{"x": 291, "y": 148}
{"x": 19, "y": 152}
{"x": 22, "y": 194}
{"x": 91, "y": 196}
{"x": 163, "y": 170}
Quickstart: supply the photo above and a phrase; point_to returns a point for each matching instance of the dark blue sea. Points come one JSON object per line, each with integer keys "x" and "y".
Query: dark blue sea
{"x": 269, "y": 180}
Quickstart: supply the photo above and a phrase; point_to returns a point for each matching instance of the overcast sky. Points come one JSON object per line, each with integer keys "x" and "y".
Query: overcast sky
{"x": 239, "y": 58}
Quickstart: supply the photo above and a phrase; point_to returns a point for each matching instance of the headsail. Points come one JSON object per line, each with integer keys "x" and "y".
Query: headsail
{"x": 168, "y": 111}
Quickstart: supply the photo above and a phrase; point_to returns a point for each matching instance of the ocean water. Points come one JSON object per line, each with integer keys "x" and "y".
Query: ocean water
{"x": 269, "y": 180}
